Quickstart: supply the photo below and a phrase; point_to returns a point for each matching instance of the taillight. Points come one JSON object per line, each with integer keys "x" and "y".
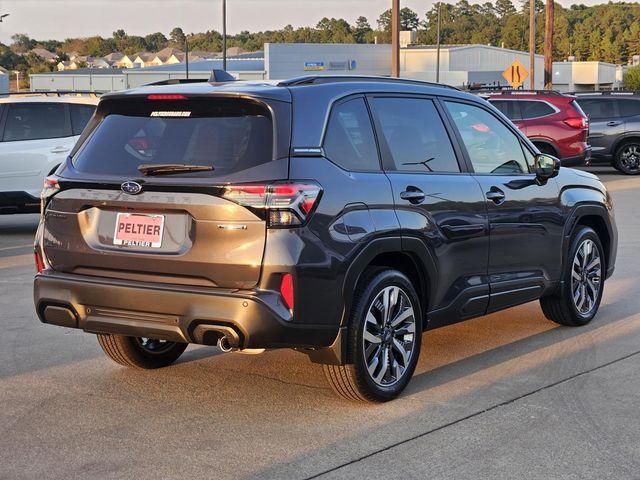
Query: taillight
{"x": 577, "y": 122}
{"x": 39, "y": 261}
{"x": 286, "y": 290}
{"x": 49, "y": 189}
{"x": 166, "y": 96}
{"x": 287, "y": 204}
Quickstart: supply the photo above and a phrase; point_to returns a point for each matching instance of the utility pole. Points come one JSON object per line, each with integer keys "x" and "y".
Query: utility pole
{"x": 395, "y": 38}
{"x": 532, "y": 43}
{"x": 186, "y": 55}
{"x": 438, "y": 48}
{"x": 548, "y": 45}
{"x": 224, "y": 35}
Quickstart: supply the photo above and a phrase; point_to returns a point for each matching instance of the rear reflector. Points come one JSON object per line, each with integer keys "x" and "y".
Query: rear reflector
{"x": 39, "y": 262}
{"x": 286, "y": 290}
{"x": 164, "y": 96}
{"x": 289, "y": 204}
{"x": 577, "y": 122}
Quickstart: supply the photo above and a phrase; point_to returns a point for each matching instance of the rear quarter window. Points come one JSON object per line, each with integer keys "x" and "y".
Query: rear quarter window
{"x": 229, "y": 135}
{"x": 349, "y": 141}
{"x": 535, "y": 109}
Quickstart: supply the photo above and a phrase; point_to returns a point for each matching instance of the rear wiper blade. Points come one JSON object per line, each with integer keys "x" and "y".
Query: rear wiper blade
{"x": 171, "y": 168}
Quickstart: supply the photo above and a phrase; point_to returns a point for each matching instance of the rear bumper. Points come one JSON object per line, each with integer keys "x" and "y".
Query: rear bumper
{"x": 578, "y": 160}
{"x": 257, "y": 319}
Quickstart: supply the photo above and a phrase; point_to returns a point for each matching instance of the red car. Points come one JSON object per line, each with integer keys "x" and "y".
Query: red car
{"x": 554, "y": 122}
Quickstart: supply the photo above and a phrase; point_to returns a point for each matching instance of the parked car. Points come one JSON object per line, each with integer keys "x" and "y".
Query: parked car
{"x": 614, "y": 128}
{"x": 37, "y": 133}
{"x": 553, "y": 122}
{"x": 337, "y": 216}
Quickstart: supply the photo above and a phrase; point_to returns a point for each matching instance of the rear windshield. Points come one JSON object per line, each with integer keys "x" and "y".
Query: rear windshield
{"x": 227, "y": 134}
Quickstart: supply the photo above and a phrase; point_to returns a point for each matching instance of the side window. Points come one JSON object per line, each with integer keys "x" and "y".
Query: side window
{"x": 349, "y": 141}
{"x": 80, "y": 116}
{"x": 415, "y": 134}
{"x": 629, "y": 107}
{"x": 534, "y": 109}
{"x": 34, "y": 121}
{"x": 492, "y": 147}
{"x": 509, "y": 108}
{"x": 597, "y": 108}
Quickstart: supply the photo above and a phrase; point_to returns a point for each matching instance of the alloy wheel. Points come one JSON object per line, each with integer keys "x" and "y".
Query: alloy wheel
{"x": 389, "y": 336}
{"x": 630, "y": 158}
{"x": 586, "y": 277}
{"x": 153, "y": 345}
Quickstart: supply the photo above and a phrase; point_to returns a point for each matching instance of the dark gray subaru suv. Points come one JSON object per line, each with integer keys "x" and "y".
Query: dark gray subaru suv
{"x": 338, "y": 216}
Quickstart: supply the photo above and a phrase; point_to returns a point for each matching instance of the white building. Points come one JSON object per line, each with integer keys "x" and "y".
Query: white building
{"x": 585, "y": 76}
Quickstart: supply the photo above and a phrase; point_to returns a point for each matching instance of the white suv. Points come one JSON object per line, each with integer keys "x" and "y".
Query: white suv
{"x": 36, "y": 135}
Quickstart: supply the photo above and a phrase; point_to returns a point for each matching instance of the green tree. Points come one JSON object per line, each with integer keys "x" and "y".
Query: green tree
{"x": 155, "y": 42}
{"x": 362, "y": 30}
{"x": 177, "y": 37}
{"x": 631, "y": 78}
{"x": 409, "y": 20}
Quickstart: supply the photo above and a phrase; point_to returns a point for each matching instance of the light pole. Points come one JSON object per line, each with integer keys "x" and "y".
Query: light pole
{"x": 224, "y": 35}
{"x": 395, "y": 38}
{"x": 532, "y": 43}
{"x": 438, "y": 48}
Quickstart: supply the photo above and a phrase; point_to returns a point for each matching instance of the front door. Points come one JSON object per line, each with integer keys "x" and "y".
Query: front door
{"x": 525, "y": 217}
{"x": 439, "y": 206}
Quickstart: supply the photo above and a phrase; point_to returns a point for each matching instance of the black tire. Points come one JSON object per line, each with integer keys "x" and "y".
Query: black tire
{"x": 132, "y": 352}
{"x": 353, "y": 381}
{"x": 627, "y": 158}
{"x": 562, "y": 307}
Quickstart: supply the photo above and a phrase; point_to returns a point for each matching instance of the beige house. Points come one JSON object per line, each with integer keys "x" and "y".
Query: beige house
{"x": 45, "y": 55}
{"x": 146, "y": 59}
{"x": 67, "y": 65}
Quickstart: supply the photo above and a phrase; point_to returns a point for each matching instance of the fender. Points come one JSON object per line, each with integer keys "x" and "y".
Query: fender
{"x": 417, "y": 251}
{"x": 545, "y": 141}
{"x": 584, "y": 209}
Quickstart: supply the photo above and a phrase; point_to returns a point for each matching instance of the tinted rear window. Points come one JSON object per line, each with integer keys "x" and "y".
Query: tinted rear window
{"x": 35, "y": 121}
{"x": 229, "y": 135}
{"x": 80, "y": 116}
{"x": 533, "y": 109}
{"x": 508, "y": 107}
{"x": 629, "y": 107}
{"x": 597, "y": 108}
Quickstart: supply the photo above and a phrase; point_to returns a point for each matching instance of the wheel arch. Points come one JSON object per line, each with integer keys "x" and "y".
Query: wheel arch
{"x": 546, "y": 143}
{"x": 596, "y": 217}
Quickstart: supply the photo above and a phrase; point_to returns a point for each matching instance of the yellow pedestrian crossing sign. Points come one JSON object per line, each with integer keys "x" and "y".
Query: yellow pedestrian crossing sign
{"x": 515, "y": 74}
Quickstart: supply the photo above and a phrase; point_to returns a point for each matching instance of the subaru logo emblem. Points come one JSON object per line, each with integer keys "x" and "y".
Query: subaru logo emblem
{"x": 131, "y": 188}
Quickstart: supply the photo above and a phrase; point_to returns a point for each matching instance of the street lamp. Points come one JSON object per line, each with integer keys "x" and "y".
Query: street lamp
{"x": 224, "y": 35}
{"x": 3, "y": 16}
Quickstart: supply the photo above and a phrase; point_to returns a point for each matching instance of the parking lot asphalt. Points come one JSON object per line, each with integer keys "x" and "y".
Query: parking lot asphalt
{"x": 510, "y": 395}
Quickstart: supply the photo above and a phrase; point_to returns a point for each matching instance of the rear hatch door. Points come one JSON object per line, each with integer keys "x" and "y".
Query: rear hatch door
{"x": 111, "y": 219}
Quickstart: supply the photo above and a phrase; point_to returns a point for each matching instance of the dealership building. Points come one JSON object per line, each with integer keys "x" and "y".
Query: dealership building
{"x": 460, "y": 66}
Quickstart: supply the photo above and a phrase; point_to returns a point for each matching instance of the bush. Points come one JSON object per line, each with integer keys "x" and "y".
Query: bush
{"x": 632, "y": 78}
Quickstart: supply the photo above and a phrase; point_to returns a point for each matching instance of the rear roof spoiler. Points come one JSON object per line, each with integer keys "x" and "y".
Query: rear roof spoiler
{"x": 217, "y": 76}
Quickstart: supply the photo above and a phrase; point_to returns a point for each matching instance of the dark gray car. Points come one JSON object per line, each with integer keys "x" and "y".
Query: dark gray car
{"x": 614, "y": 132}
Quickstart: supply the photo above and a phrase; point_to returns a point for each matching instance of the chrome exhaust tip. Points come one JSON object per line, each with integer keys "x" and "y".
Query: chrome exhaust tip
{"x": 223, "y": 344}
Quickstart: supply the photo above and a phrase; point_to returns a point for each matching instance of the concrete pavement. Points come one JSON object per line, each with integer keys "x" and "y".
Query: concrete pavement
{"x": 505, "y": 396}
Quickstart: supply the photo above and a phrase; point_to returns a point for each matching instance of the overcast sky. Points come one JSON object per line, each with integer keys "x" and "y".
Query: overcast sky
{"x": 60, "y": 19}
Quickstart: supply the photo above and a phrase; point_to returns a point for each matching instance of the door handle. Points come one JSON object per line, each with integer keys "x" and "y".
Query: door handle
{"x": 60, "y": 150}
{"x": 413, "y": 194}
{"x": 495, "y": 195}
{"x": 613, "y": 123}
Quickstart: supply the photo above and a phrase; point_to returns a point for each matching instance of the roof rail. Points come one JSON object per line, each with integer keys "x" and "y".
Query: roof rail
{"x": 518, "y": 92}
{"x": 607, "y": 93}
{"x": 53, "y": 93}
{"x": 321, "y": 79}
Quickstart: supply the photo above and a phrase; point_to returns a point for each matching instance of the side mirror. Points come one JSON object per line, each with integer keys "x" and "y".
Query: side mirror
{"x": 546, "y": 167}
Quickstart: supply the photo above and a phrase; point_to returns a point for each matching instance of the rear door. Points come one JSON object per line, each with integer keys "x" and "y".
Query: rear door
{"x": 438, "y": 204}
{"x": 525, "y": 218}
{"x": 605, "y": 124}
{"x": 190, "y": 228}
{"x": 37, "y": 137}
